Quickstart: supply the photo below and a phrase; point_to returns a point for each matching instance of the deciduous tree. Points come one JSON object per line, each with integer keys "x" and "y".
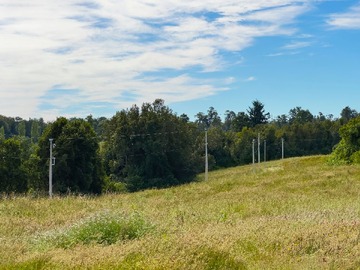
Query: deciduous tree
{"x": 78, "y": 165}
{"x": 348, "y": 150}
{"x": 150, "y": 147}
{"x": 12, "y": 175}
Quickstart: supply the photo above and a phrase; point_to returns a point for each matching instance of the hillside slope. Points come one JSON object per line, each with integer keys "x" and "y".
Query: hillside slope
{"x": 290, "y": 214}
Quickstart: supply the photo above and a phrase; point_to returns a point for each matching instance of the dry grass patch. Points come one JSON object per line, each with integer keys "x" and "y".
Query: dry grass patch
{"x": 292, "y": 214}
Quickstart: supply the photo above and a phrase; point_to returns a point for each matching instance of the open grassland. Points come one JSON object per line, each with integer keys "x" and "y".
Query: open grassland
{"x": 292, "y": 214}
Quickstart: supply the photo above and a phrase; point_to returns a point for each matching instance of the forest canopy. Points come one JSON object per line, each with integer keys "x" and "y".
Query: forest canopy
{"x": 153, "y": 147}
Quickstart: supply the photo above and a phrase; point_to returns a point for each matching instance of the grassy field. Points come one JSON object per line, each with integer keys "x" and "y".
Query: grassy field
{"x": 292, "y": 214}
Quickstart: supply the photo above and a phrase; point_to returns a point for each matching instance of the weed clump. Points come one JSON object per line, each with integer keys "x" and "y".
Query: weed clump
{"x": 218, "y": 260}
{"x": 103, "y": 229}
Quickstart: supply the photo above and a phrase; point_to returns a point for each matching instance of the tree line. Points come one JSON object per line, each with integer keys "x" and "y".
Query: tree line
{"x": 152, "y": 147}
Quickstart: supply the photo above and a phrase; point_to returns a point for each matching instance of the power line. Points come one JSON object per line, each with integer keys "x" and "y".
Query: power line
{"x": 153, "y": 134}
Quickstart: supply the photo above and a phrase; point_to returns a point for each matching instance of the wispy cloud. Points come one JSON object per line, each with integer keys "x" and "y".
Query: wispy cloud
{"x": 294, "y": 45}
{"x": 284, "y": 53}
{"x": 103, "y": 50}
{"x": 250, "y": 79}
{"x": 346, "y": 20}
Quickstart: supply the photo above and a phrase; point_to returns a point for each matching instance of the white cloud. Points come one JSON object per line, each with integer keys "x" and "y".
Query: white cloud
{"x": 297, "y": 45}
{"x": 250, "y": 79}
{"x": 283, "y": 53}
{"x": 105, "y": 49}
{"x": 346, "y": 20}
{"x": 229, "y": 80}
{"x": 280, "y": 14}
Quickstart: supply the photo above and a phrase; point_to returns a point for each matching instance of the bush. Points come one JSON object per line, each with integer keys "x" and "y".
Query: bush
{"x": 348, "y": 150}
{"x": 103, "y": 229}
{"x": 355, "y": 158}
{"x": 113, "y": 186}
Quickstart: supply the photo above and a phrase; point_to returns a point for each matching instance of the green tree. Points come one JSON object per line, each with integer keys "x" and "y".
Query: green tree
{"x": 35, "y": 130}
{"x": 78, "y": 164}
{"x": 21, "y": 127}
{"x": 4, "y": 124}
{"x": 300, "y": 116}
{"x": 346, "y": 114}
{"x": 241, "y": 149}
{"x": 273, "y": 149}
{"x": 219, "y": 143}
{"x": 53, "y": 131}
{"x": 257, "y": 114}
{"x": 281, "y": 120}
{"x": 229, "y": 119}
{"x": 241, "y": 121}
{"x": 2, "y": 133}
{"x": 236, "y": 122}
{"x": 211, "y": 119}
{"x": 184, "y": 118}
{"x": 98, "y": 124}
{"x": 12, "y": 175}
{"x": 150, "y": 147}
{"x": 348, "y": 150}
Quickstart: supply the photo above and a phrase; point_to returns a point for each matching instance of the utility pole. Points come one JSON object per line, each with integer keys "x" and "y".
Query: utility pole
{"x": 259, "y": 158}
{"x": 206, "y": 156}
{"x": 51, "y": 163}
{"x": 253, "y": 151}
{"x": 282, "y": 148}
{"x": 264, "y": 150}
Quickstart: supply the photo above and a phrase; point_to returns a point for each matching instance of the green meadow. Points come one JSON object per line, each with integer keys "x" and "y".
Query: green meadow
{"x": 298, "y": 213}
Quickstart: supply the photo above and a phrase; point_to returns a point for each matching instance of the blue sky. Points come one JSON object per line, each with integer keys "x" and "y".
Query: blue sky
{"x": 75, "y": 58}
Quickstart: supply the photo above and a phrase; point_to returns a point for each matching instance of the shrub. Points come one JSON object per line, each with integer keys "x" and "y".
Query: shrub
{"x": 114, "y": 186}
{"x": 218, "y": 260}
{"x": 104, "y": 229}
{"x": 348, "y": 150}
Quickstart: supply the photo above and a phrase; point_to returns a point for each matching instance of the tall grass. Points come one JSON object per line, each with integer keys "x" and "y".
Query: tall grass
{"x": 104, "y": 228}
{"x": 292, "y": 214}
